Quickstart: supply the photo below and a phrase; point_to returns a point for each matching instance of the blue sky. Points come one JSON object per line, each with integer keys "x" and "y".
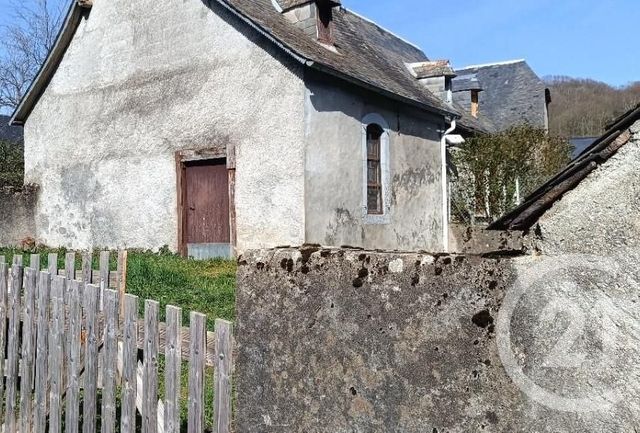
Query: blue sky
{"x": 595, "y": 39}
{"x": 579, "y": 38}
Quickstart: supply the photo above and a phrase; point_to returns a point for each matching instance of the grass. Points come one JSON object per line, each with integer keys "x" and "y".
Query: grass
{"x": 207, "y": 286}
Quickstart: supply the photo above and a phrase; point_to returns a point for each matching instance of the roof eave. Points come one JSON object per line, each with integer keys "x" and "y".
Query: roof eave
{"x": 417, "y": 104}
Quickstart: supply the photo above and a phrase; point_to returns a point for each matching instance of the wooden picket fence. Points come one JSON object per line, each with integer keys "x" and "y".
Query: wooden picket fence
{"x": 77, "y": 352}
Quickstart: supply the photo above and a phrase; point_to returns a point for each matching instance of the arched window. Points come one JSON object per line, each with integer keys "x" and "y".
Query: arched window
{"x": 375, "y": 146}
{"x": 375, "y": 203}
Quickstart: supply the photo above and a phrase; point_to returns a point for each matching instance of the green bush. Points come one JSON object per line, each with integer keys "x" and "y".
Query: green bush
{"x": 11, "y": 164}
{"x": 496, "y": 171}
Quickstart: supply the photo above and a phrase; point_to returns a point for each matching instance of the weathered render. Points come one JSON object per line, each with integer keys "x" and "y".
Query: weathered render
{"x": 141, "y": 80}
{"x": 17, "y": 214}
{"x": 352, "y": 341}
{"x": 602, "y": 214}
{"x": 335, "y": 209}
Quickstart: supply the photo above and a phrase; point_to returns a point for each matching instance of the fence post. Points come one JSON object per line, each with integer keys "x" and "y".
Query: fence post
{"x": 105, "y": 257}
{"x": 89, "y": 408}
{"x": 34, "y": 262}
{"x": 109, "y": 363}
{"x": 56, "y": 352}
{"x": 69, "y": 273}
{"x": 4, "y": 285}
{"x": 121, "y": 276}
{"x": 173, "y": 362}
{"x": 87, "y": 266}
{"x": 150, "y": 377}
{"x": 42, "y": 353}
{"x": 197, "y": 357}
{"x": 70, "y": 266}
{"x": 28, "y": 355}
{"x": 223, "y": 374}
{"x": 72, "y": 419}
{"x": 52, "y": 265}
{"x": 129, "y": 364}
{"x": 13, "y": 343}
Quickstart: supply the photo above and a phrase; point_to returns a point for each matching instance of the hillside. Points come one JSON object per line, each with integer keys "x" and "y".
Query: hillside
{"x": 582, "y": 107}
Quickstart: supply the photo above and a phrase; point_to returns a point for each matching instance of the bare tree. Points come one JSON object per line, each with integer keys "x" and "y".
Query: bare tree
{"x": 25, "y": 44}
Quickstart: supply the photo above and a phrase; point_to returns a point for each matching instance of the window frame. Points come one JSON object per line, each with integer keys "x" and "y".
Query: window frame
{"x": 384, "y": 217}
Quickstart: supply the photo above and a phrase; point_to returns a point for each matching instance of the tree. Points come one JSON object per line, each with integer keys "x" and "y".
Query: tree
{"x": 495, "y": 171}
{"x": 25, "y": 44}
{"x": 582, "y": 107}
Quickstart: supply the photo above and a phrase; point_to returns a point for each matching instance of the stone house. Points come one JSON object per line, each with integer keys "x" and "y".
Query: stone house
{"x": 503, "y": 94}
{"x": 593, "y": 205}
{"x": 224, "y": 125}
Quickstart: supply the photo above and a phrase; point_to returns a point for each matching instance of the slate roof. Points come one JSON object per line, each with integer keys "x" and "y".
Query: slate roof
{"x": 12, "y": 134}
{"x": 513, "y": 94}
{"x": 541, "y": 200}
{"x": 466, "y": 82}
{"x": 472, "y": 124}
{"x": 289, "y": 4}
{"x": 365, "y": 51}
{"x": 366, "y": 54}
{"x": 436, "y": 68}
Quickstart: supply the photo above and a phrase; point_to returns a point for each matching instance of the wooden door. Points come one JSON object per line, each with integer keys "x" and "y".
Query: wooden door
{"x": 207, "y": 208}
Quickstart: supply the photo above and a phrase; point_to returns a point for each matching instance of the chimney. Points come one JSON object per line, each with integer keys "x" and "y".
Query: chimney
{"x": 436, "y": 76}
{"x": 475, "y": 102}
{"x": 314, "y": 17}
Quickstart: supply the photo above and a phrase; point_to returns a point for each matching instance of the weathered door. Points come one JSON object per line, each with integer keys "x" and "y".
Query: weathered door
{"x": 207, "y": 209}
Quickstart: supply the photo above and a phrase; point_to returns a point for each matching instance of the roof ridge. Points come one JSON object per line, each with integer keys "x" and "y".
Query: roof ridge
{"x": 369, "y": 20}
{"x": 484, "y": 65}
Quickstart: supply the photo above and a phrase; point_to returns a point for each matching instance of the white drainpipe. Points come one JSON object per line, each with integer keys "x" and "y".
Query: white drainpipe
{"x": 445, "y": 195}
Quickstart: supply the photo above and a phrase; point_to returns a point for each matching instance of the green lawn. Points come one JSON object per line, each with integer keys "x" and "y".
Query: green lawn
{"x": 204, "y": 286}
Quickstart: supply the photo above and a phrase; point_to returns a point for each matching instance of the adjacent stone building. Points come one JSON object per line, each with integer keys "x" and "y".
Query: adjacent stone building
{"x": 234, "y": 124}
{"x": 593, "y": 205}
{"x": 503, "y": 94}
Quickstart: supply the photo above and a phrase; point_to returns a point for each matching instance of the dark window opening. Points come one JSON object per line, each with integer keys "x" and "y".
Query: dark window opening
{"x": 325, "y": 18}
{"x": 374, "y": 170}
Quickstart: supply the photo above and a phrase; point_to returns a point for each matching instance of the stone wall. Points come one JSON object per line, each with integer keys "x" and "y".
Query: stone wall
{"x": 17, "y": 214}
{"x": 355, "y": 341}
{"x": 477, "y": 240}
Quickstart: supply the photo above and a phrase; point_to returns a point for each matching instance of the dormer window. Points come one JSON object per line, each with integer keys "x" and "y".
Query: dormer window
{"x": 324, "y": 21}
{"x": 436, "y": 76}
{"x": 313, "y": 17}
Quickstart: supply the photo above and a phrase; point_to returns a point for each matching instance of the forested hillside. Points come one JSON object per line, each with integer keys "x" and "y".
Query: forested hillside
{"x": 582, "y": 107}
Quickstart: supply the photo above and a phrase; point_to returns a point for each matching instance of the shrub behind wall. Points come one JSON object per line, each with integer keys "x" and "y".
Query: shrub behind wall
{"x": 11, "y": 164}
